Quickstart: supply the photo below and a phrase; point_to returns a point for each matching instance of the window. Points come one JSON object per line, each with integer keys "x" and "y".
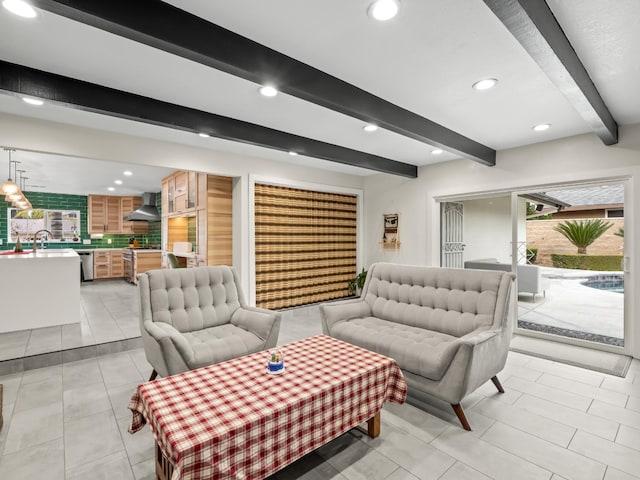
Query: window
{"x": 615, "y": 213}
{"x": 64, "y": 225}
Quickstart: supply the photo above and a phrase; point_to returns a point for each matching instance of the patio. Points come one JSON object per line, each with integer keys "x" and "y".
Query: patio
{"x": 572, "y": 309}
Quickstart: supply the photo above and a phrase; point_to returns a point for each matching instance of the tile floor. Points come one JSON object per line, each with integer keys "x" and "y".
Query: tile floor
{"x": 554, "y": 422}
{"x": 109, "y": 312}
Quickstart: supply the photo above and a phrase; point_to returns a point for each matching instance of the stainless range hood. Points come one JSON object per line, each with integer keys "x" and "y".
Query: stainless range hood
{"x": 148, "y": 212}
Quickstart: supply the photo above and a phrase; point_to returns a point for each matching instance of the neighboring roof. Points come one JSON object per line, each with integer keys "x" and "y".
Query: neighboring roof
{"x": 600, "y": 195}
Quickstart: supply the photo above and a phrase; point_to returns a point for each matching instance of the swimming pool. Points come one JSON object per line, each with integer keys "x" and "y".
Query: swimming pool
{"x": 609, "y": 282}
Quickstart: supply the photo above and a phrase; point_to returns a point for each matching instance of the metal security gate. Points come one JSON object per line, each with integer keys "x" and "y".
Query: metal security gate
{"x": 452, "y": 246}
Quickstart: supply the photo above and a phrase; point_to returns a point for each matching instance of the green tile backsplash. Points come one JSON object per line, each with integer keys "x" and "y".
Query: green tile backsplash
{"x": 77, "y": 202}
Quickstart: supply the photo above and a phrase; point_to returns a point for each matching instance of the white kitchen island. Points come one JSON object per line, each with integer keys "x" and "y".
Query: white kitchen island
{"x": 41, "y": 290}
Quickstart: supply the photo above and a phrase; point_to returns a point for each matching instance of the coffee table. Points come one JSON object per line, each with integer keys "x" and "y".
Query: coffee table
{"x": 234, "y": 420}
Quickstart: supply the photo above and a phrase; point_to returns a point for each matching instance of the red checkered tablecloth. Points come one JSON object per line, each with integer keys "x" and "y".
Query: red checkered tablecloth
{"x": 233, "y": 420}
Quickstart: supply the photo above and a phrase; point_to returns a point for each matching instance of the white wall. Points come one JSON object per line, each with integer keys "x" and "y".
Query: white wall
{"x": 24, "y": 133}
{"x": 580, "y": 158}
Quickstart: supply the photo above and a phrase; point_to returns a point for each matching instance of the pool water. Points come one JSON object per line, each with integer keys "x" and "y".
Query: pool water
{"x": 611, "y": 283}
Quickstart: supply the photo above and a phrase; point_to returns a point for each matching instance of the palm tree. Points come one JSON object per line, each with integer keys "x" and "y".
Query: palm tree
{"x": 583, "y": 233}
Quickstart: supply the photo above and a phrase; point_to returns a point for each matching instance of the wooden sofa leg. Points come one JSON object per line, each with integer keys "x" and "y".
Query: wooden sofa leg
{"x": 497, "y": 383}
{"x": 460, "y": 413}
{"x": 153, "y": 376}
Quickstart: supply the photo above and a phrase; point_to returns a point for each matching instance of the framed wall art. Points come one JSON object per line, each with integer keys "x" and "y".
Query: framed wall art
{"x": 390, "y": 235}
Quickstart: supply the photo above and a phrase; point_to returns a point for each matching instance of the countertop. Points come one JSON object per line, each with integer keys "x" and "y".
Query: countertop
{"x": 64, "y": 252}
{"x": 185, "y": 254}
{"x": 29, "y": 255}
{"x": 102, "y": 249}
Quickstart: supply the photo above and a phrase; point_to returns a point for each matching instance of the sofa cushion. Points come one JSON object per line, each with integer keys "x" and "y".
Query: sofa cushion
{"x": 436, "y": 299}
{"x": 193, "y": 298}
{"x": 416, "y": 350}
{"x": 217, "y": 344}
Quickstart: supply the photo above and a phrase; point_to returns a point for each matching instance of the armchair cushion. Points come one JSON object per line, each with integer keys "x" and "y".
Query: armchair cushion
{"x": 217, "y": 344}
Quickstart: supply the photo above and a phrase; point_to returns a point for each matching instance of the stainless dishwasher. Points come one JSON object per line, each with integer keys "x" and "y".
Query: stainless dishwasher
{"x": 86, "y": 265}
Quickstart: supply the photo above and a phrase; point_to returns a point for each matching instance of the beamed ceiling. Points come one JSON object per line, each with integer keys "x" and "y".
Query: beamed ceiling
{"x": 191, "y": 66}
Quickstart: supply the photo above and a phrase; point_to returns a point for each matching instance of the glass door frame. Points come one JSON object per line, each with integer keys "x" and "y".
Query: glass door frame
{"x": 627, "y": 247}
{"x": 628, "y": 252}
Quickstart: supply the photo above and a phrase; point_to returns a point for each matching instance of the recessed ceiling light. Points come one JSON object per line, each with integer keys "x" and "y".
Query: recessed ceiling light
{"x": 268, "y": 91}
{"x": 203, "y": 135}
{"x": 485, "y": 84}
{"x": 111, "y": 189}
{"x": 292, "y": 153}
{"x": 370, "y": 128}
{"x": 437, "y": 151}
{"x": 542, "y": 127}
{"x": 118, "y": 182}
{"x": 32, "y": 101}
{"x": 383, "y": 10}
{"x": 20, "y": 8}
{"x": 127, "y": 173}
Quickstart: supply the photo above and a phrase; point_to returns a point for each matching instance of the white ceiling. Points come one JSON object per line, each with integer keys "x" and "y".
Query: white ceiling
{"x": 51, "y": 173}
{"x": 425, "y": 60}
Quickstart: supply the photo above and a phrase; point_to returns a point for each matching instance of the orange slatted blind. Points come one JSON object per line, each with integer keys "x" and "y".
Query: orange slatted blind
{"x": 305, "y": 246}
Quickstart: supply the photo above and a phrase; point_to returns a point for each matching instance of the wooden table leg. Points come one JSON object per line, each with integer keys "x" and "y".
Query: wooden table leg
{"x": 373, "y": 426}
{"x": 164, "y": 469}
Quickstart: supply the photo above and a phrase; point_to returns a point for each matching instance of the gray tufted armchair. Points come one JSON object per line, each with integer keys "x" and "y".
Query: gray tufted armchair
{"x": 193, "y": 317}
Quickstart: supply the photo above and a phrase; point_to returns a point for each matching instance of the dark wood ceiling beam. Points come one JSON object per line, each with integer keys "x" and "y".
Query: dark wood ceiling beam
{"x": 176, "y": 31}
{"x": 21, "y": 80}
{"x": 533, "y": 24}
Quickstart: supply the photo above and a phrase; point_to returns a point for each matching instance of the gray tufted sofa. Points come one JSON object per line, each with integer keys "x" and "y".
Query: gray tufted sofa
{"x": 446, "y": 328}
{"x": 193, "y": 317}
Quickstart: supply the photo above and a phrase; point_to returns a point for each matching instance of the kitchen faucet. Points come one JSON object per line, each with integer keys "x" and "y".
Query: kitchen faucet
{"x": 35, "y": 239}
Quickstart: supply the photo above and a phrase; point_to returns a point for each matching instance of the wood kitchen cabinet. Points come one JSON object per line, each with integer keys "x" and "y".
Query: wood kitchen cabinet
{"x": 97, "y": 213}
{"x": 209, "y": 225}
{"x": 108, "y": 264}
{"x": 106, "y": 212}
{"x": 101, "y": 264}
{"x": 180, "y": 189}
{"x": 140, "y": 261}
{"x": 117, "y": 265}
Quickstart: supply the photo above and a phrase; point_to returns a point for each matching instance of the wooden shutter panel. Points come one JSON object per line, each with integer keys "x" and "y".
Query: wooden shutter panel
{"x": 305, "y": 246}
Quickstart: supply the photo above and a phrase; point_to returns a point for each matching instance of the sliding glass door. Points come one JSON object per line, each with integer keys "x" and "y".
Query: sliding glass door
{"x": 567, "y": 247}
{"x": 571, "y": 284}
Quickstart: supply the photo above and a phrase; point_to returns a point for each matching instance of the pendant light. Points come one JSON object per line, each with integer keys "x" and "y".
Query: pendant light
{"x": 9, "y": 187}
{"x": 17, "y": 195}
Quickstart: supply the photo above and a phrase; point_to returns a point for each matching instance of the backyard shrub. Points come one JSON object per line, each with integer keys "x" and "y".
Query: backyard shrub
{"x": 583, "y": 233}
{"x": 532, "y": 254}
{"x": 588, "y": 262}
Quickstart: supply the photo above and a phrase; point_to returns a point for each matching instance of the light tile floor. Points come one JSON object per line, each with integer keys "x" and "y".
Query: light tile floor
{"x": 554, "y": 422}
